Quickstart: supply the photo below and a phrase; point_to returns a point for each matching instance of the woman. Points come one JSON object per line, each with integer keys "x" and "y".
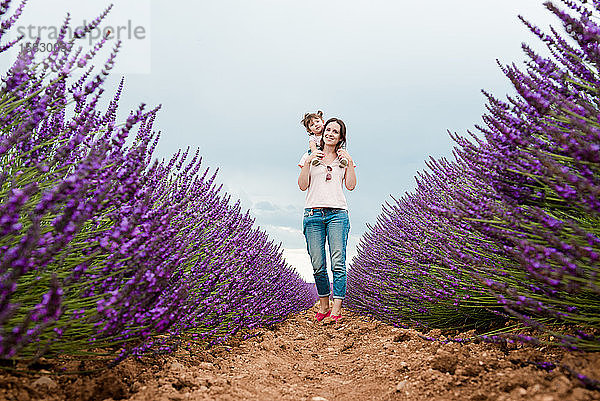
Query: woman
{"x": 326, "y": 214}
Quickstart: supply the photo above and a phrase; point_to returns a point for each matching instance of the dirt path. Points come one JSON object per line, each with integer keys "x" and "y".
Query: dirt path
{"x": 357, "y": 359}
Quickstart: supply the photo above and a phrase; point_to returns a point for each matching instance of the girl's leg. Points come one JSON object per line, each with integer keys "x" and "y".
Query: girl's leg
{"x": 338, "y": 227}
{"x": 315, "y": 234}
{"x": 315, "y": 162}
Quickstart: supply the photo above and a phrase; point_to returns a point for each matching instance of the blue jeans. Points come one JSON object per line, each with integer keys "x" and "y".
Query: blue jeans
{"x": 331, "y": 224}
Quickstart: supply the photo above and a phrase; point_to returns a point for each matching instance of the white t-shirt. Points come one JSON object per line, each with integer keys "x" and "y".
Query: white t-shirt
{"x": 322, "y": 192}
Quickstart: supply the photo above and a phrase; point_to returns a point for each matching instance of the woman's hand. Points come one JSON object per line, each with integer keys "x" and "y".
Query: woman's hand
{"x": 349, "y": 174}
{"x": 343, "y": 154}
{"x": 318, "y": 154}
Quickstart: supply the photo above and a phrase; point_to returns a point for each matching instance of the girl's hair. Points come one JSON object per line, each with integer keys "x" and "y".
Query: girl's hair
{"x": 308, "y": 117}
{"x": 342, "y": 140}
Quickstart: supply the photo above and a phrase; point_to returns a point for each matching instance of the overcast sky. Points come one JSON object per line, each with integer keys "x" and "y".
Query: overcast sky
{"x": 235, "y": 77}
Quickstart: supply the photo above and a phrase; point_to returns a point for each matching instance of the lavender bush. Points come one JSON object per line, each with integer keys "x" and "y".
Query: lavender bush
{"x": 510, "y": 230}
{"x": 102, "y": 248}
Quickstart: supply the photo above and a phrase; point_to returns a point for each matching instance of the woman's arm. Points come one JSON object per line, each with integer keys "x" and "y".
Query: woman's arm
{"x": 304, "y": 177}
{"x": 350, "y": 174}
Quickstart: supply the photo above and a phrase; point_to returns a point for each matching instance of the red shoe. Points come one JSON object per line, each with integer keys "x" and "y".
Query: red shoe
{"x": 320, "y": 316}
{"x": 336, "y": 318}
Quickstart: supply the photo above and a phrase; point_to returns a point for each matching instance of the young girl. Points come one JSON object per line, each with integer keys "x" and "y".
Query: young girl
{"x": 314, "y": 123}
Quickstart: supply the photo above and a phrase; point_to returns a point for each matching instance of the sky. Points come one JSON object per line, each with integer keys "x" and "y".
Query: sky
{"x": 234, "y": 78}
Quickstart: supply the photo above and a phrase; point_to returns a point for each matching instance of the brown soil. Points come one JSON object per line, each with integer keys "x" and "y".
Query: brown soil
{"x": 355, "y": 359}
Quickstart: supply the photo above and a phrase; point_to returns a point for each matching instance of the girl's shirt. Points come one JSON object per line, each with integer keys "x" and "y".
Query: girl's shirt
{"x": 322, "y": 192}
{"x": 316, "y": 139}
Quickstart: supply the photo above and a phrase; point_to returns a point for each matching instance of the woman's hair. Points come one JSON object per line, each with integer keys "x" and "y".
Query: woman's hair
{"x": 308, "y": 117}
{"x": 342, "y": 140}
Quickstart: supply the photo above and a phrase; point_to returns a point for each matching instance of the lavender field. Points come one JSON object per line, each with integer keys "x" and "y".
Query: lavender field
{"x": 104, "y": 249}
{"x": 506, "y": 236}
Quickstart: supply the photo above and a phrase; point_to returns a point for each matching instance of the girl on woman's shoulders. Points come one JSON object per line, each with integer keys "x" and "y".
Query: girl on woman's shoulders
{"x": 326, "y": 213}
